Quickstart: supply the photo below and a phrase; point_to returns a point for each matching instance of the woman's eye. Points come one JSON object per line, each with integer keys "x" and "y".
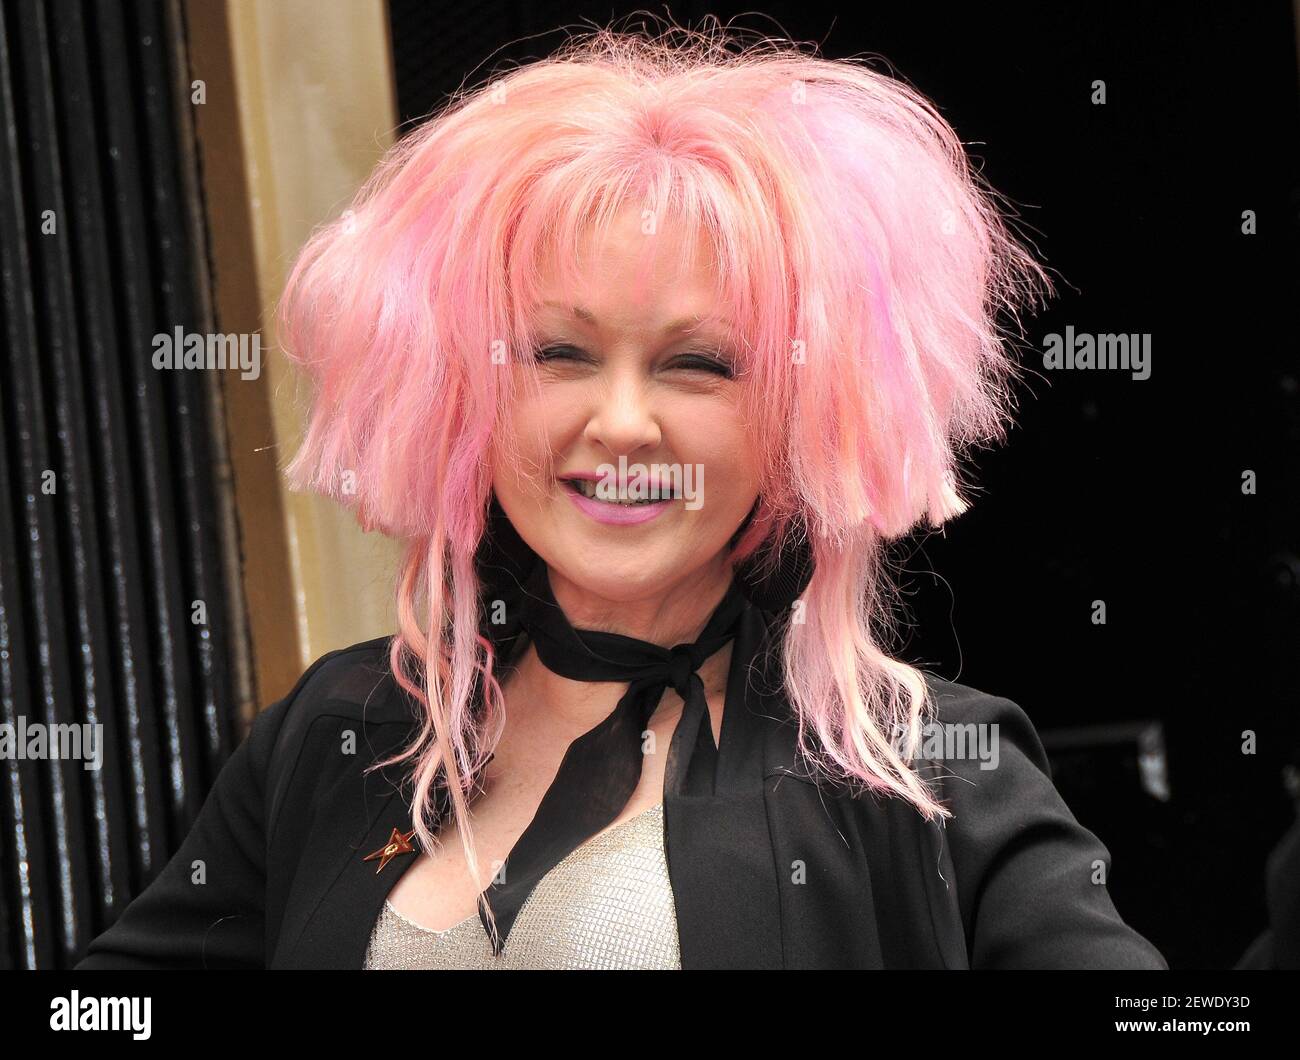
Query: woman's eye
{"x": 691, "y": 362}
{"x": 559, "y": 353}
{"x": 705, "y": 363}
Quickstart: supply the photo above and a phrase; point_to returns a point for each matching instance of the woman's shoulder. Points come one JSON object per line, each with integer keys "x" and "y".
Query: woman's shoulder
{"x": 956, "y": 704}
{"x": 953, "y": 701}
{"x": 356, "y": 680}
{"x": 976, "y": 734}
{"x": 1030, "y": 877}
{"x": 345, "y": 712}
{"x": 349, "y": 685}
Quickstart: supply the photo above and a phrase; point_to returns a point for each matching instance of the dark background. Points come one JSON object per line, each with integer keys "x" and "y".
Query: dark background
{"x": 98, "y": 576}
{"x": 1110, "y": 488}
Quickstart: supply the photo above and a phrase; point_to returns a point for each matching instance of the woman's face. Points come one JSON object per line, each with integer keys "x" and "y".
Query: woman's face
{"x": 635, "y": 392}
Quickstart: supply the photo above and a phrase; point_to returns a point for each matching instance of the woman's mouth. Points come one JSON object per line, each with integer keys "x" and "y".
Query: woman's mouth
{"x": 626, "y": 508}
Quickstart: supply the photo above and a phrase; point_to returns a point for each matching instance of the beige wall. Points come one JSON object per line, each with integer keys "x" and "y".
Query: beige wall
{"x": 299, "y": 107}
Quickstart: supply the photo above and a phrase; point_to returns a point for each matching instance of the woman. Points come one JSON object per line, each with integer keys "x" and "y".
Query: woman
{"x": 647, "y": 350}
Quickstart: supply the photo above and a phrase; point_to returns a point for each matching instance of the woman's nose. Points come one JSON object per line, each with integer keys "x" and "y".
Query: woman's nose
{"x": 622, "y": 419}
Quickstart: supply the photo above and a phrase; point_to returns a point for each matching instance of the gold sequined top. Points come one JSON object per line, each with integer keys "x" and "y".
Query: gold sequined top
{"x": 608, "y": 905}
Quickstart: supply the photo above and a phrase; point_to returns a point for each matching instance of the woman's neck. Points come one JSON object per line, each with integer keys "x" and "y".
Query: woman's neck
{"x": 677, "y": 614}
{"x": 565, "y": 708}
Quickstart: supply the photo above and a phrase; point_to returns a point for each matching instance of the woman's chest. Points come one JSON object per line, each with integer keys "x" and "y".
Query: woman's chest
{"x": 438, "y": 892}
{"x": 766, "y": 870}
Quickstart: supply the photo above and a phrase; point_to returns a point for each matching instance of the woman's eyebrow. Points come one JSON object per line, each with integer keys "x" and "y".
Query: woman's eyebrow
{"x": 689, "y": 323}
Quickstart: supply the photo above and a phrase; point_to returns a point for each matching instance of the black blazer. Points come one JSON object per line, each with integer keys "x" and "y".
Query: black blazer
{"x": 802, "y": 876}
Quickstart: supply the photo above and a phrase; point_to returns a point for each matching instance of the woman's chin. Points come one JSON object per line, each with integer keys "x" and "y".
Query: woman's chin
{"x": 626, "y": 577}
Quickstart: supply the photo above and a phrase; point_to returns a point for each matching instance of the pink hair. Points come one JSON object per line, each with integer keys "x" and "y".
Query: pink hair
{"x": 865, "y": 265}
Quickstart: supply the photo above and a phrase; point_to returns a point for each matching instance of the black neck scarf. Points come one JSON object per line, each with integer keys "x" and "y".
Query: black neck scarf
{"x": 601, "y": 769}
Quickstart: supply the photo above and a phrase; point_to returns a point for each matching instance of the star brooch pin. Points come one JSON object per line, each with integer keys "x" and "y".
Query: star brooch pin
{"x": 398, "y": 843}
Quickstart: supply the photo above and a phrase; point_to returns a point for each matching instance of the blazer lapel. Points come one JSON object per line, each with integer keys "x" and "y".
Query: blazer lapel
{"x": 337, "y": 895}
{"x": 718, "y": 847}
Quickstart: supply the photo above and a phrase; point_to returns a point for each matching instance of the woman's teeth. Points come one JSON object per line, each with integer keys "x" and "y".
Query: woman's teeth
{"x": 592, "y": 490}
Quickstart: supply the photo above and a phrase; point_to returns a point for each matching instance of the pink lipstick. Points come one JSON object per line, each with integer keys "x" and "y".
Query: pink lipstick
{"x": 612, "y": 513}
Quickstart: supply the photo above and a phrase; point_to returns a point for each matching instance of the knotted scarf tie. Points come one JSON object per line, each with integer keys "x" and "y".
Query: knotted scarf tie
{"x": 601, "y": 769}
